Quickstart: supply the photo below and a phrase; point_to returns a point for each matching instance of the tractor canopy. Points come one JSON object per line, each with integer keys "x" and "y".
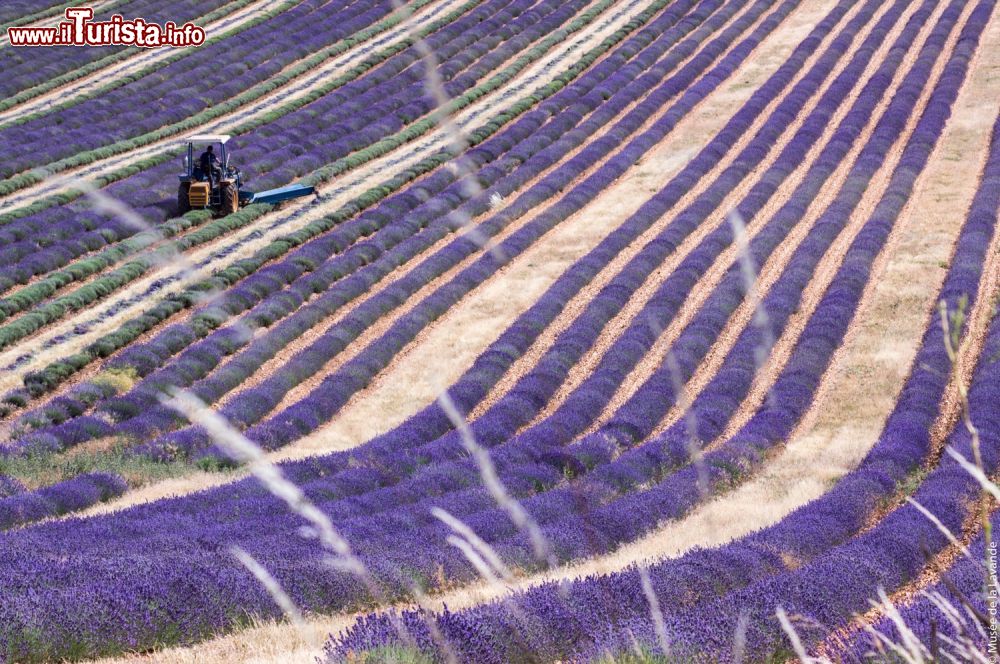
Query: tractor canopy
{"x": 204, "y": 140}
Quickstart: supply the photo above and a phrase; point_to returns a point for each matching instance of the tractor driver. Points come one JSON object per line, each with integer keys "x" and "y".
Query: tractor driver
{"x": 210, "y": 164}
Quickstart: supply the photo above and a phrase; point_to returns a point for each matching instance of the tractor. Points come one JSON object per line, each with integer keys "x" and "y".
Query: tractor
{"x": 221, "y": 190}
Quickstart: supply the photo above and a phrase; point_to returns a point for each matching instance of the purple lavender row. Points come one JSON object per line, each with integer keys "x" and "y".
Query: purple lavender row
{"x": 43, "y": 242}
{"x": 282, "y": 427}
{"x": 44, "y": 313}
{"x": 536, "y": 149}
{"x": 829, "y": 590}
{"x": 210, "y": 586}
{"x": 535, "y": 454}
{"x": 25, "y": 67}
{"x": 966, "y": 587}
{"x": 17, "y": 509}
{"x": 811, "y": 530}
{"x": 473, "y": 386}
{"x": 146, "y": 357}
{"x": 590, "y": 266}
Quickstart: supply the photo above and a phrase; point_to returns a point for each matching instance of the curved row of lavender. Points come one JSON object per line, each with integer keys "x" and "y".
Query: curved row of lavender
{"x": 165, "y": 307}
{"x": 20, "y": 507}
{"x": 206, "y": 562}
{"x": 25, "y": 67}
{"x": 511, "y": 412}
{"x": 317, "y": 270}
{"x": 210, "y": 610}
{"x": 811, "y": 563}
{"x": 532, "y": 458}
{"x": 950, "y": 617}
{"x": 251, "y": 406}
{"x": 45, "y": 241}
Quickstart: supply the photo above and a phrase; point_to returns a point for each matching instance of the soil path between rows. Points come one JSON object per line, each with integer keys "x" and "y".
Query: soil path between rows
{"x": 856, "y": 395}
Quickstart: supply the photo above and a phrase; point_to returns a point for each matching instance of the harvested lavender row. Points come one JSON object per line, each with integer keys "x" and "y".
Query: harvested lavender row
{"x": 145, "y": 358}
{"x": 43, "y": 242}
{"x": 281, "y": 428}
{"x": 535, "y": 456}
{"x": 535, "y": 150}
{"x": 58, "y": 307}
{"x": 40, "y": 381}
{"x": 21, "y": 507}
{"x": 702, "y": 575}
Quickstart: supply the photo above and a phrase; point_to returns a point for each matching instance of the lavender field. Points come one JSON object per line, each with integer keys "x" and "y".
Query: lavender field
{"x": 617, "y": 331}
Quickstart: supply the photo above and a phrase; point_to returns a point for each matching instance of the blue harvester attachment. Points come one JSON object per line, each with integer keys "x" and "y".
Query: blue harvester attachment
{"x": 210, "y": 182}
{"x": 276, "y": 195}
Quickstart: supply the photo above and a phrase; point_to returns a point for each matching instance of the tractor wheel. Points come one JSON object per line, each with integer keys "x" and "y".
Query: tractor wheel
{"x": 230, "y": 198}
{"x": 183, "y": 204}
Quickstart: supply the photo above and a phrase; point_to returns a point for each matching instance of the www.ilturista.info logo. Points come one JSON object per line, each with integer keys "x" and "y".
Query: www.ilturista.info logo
{"x": 80, "y": 30}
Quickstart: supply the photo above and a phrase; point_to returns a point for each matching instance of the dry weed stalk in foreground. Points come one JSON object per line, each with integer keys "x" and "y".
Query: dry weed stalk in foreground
{"x": 748, "y": 269}
{"x": 272, "y": 586}
{"x": 245, "y": 451}
{"x": 491, "y": 480}
{"x": 683, "y": 400}
{"x": 108, "y": 205}
{"x": 459, "y": 143}
{"x": 654, "y": 611}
